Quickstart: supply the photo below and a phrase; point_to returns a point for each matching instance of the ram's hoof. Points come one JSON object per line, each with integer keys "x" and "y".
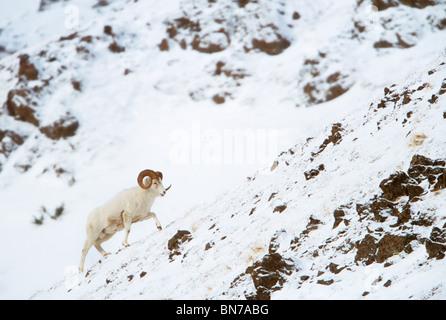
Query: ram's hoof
{"x": 160, "y": 228}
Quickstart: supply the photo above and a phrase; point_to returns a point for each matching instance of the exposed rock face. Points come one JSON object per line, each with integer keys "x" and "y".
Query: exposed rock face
{"x": 378, "y": 247}
{"x": 436, "y": 244}
{"x": 18, "y": 106}
{"x": 181, "y": 237}
{"x": 27, "y": 70}
{"x": 268, "y": 275}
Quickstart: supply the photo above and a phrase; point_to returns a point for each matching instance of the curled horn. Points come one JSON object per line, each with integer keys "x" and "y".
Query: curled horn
{"x": 146, "y": 173}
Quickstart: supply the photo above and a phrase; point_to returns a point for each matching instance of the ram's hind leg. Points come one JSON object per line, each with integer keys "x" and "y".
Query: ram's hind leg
{"x": 98, "y": 247}
{"x": 87, "y": 246}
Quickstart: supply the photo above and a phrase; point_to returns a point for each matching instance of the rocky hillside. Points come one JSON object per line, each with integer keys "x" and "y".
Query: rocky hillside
{"x": 358, "y": 212}
{"x": 99, "y": 91}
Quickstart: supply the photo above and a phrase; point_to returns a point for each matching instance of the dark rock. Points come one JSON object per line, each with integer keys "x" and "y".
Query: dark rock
{"x": 218, "y": 99}
{"x": 391, "y": 245}
{"x": 435, "y": 249}
{"x": 422, "y": 168}
{"x": 174, "y": 243}
{"x": 338, "y": 214}
{"x": 164, "y": 45}
{"x": 27, "y": 70}
{"x": 400, "y": 184}
{"x": 115, "y": 47}
{"x": 69, "y": 37}
{"x": 9, "y": 141}
{"x": 443, "y": 89}
{"x": 334, "y": 138}
{"x": 182, "y": 236}
{"x": 108, "y": 30}
{"x": 433, "y": 99}
{"x": 325, "y": 282}
{"x": 371, "y": 250}
{"x": 76, "y": 85}
{"x": 419, "y": 4}
{"x": 384, "y": 4}
{"x": 17, "y": 106}
{"x": 334, "y": 92}
{"x": 366, "y": 250}
{"x": 62, "y": 128}
{"x": 243, "y": 3}
{"x": 274, "y": 47}
{"x": 382, "y": 44}
{"x": 268, "y": 275}
{"x": 280, "y": 208}
{"x": 333, "y": 267}
{"x": 313, "y": 172}
{"x": 200, "y": 44}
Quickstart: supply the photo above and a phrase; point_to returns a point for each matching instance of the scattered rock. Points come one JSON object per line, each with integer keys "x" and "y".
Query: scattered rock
{"x": 69, "y": 37}
{"x": 164, "y": 45}
{"x": 326, "y": 282}
{"x": 218, "y": 99}
{"x": 243, "y": 3}
{"x": 271, "y": 47}
{"x": 442, "y": 88}
{"x": 314, "y": 172}
{"x": 400, "y": 184}
{"x": 27, "y": 70}
{"x": 115, "y": 47}
{"x": 108, "y": 30}
{"x": 296, "y": 15}
{"x": 333, "y": 267}
{"x": 181, "y": 237}
{"x": 436, "y": 244}
{"x": 268, "y": 275}
{"x": 422, "y": 168}
{"x": 9, "y": 141}
{"x": 212, "y": 42}
{"x": 334, "y": 138}
{"x": 17, "y": 106}
{"x": 339, "y": 215}
{"x": 280, "y": 208}
{"x": 76, "y": 85}
{"x": 371, "y": 250}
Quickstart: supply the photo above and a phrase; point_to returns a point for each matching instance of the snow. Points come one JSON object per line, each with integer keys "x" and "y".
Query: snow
{"x": 161, "y": 115}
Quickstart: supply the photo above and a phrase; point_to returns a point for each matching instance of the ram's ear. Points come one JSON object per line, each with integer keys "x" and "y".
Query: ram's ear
{"x": 160, "y": 175}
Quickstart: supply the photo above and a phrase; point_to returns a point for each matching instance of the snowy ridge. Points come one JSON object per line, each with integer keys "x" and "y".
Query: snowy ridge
{"x": 284, "y": 214}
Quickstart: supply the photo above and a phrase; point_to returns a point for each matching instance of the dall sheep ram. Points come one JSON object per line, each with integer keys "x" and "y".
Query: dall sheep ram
{"x": 128, "y": 206}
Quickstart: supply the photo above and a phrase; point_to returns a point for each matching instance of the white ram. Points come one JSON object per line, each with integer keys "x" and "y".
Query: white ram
{"x": 128, "y": 206}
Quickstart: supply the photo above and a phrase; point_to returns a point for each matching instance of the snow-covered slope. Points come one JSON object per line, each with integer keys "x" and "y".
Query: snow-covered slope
{"x": 368, "y": 221}
{"x": 99, "y": 92}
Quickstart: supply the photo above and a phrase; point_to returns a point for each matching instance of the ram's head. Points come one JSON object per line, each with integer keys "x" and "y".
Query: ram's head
{"x": 149, "y": 179}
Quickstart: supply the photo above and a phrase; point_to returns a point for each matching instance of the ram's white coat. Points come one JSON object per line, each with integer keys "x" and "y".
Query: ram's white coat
{"x": 128, "y": 206}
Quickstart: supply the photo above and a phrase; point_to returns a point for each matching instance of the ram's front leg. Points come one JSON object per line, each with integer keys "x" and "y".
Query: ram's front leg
{"x": 127, "y": 221}
{"x": 158, "y": 224}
